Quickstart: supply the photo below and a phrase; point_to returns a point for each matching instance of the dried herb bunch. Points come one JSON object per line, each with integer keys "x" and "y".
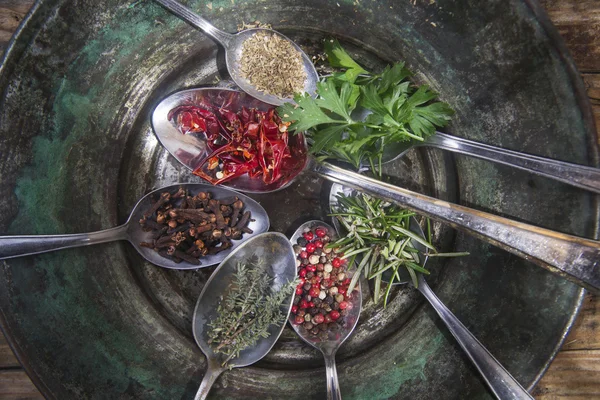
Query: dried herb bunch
{"x": 379, "y": 232}
{"x": 247, "y": 310}
{"x": 185, "y": 228}
{"x": 272, "y": 65}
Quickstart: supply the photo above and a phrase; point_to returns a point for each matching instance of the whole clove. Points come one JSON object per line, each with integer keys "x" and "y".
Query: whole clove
{"x": 243, "y": 221}
{"x": 163, "y": 199}
{"x": 235, "y": 214}
{"x": 215, "y": 207}
{"x": 186, "y": 227}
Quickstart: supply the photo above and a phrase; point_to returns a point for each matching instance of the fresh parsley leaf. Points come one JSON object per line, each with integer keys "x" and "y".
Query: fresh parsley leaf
{"x": 425, "y": 119}
{"x": 325, "y": 138}
{"x": 392, "y": 76}
{"x": 306, "y": 115}
{"x": 330, "y": 99}
{"x": 397, "y": 111}
{"x": 371, "y": 100}
{"x": 338, "y": 57}
{"x": 421, "y": 96}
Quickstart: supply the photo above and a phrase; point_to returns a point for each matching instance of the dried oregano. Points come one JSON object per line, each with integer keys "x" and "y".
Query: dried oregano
{"x": 272, "y": 65}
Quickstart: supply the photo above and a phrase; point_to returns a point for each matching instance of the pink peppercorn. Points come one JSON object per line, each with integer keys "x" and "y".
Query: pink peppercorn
{"x": 320, "y": 232}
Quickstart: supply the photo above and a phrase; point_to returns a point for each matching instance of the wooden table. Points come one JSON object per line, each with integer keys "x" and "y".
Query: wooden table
{"x": 575, "y": 373}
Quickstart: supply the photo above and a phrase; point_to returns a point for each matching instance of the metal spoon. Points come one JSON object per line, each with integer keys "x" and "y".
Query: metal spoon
{"x": 233, "y": 52}
{"x": 572, "y": 174}
{"x": 17, "y": 246}
{"x": 571, "y": 257}
{"x": 501, "y": 382}
{"x": 277, "y": 253}
{"x": 332, "y": 343}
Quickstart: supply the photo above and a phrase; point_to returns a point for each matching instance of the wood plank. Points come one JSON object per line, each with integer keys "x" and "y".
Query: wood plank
{"x": 578, "y": 22}
{"x": 16, "y": 385}
{"x": 12, "y": 13}
{"x": 7, "y": 358}
{"x": 592, "y": 84}
{"x": 585, "y": 334}
{"x": 575, "y": 375}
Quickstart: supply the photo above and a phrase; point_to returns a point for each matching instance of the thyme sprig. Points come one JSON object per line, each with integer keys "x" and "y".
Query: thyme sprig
{"x": 247, "y": 310}
{"x": 379, "y": 233}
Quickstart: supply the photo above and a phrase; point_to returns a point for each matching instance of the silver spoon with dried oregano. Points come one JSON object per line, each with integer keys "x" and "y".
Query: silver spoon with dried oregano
{"x": 263, "y": 63}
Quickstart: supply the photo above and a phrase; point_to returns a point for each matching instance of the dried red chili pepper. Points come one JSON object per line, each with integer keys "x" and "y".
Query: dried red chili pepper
{"x": 249, "y": 142}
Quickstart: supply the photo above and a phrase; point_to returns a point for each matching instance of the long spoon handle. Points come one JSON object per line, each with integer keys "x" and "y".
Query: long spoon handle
{"x": 197, "y": 21}
{"x": 17, "y": 246}
{"x": 576, "y": 175}
{"x": 333, "y": 386}
{"x": 210, "y": 376}
{"x": 500, "y": 381}
{"x": 571, "y": 257}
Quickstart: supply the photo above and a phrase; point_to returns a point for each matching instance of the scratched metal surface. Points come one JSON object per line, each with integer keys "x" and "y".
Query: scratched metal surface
{"x": 78, "y": 151}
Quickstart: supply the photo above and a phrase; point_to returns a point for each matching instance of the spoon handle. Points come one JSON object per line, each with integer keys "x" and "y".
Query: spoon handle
{"x": 576, "y": 175}
{"x": 17, "y": 246}
{"x": 571, "y": 257}
{"x": 223, "y": 38}
{"x": 333, "y": 386}
{"x": 210, "y": 376}
{"x": 500, "y": 381}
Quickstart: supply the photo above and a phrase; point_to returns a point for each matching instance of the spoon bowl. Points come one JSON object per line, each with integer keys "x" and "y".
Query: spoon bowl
{"x": 233, "y": 52}
{"x": 17, "y": 246}
{"x": 329, "y": 344}
{"x": 191, "y": 149}
{"x": 276, "y": 252}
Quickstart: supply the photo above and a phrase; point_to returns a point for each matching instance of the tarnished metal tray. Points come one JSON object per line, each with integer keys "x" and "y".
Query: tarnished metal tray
{"x": 79, "y": 83}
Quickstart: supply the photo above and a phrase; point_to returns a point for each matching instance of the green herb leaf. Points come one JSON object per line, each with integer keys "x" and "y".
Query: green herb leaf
{"x": 396, "y": 113}
{"x": 331, "y": 100}
{"x": 426, "y": 118}
{"x": 392, "y": 76}
{"x": 338, "y": 57}
{"x": 305, "y": 115}
{"x": 327, "y": 137}
{"x": 371, "y": 100}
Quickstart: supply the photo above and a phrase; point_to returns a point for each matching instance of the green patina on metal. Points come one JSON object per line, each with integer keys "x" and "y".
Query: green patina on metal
{"x": 46, "y": 179}
{"x": 393, "y": 373}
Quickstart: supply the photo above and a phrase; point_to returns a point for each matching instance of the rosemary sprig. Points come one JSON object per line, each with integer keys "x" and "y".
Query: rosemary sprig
{"x": 379, "y": 232}
{"x": 247, "y": 310}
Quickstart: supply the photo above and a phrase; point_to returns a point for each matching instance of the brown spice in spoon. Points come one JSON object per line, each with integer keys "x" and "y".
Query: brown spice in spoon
{"x": 272, "y": 65}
